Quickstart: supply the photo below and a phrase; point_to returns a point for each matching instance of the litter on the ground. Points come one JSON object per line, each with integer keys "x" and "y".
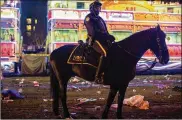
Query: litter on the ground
{"x": 36, "y": 84}
{"x": 169, "y": 96}
{"x": 97, "y": 108}
{"x": 101, "y": 98}
{"x": 161, "y": 92}
{"x": 75, "y": 80}
{"x": 134, "y": 90}
{"x": 135, "y": 101}
{"x": 84, "y": 100}
{"x": 98, "y": 92}
{"x": 20, "y": 90}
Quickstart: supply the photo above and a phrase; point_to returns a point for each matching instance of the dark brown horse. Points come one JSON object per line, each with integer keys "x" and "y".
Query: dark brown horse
{"x": 119, "y": 68}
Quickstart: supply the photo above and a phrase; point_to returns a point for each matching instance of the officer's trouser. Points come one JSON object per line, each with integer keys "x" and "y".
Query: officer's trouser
{"x": 102, "y": 50}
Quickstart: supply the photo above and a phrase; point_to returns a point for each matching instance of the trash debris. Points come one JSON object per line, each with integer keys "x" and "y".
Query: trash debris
{"x": 101, "y": 98}
{"x": 151, "y": 81}
{"x": 21, "y": 84}
{"x": 115, "y": 106}
{"x": 45, "y": 100}
{"x": 77, "y": 88}
{"x": 22, "y": 79}
{"x": 144, "y": 105}
{"x": 75, "y": 80}
{"x": 145, "y": 81}
{"x": 7, "y": 101}
{"x": 159, "y": 92}
{"x": 167, "y": 77}
{"x": 98, "y": 92}
{"x": 162, "y": 86}
{"x": 169, "y": 96}
{"x": 45, "y": 110}
{"x": 84, "y": 100}
{"x": 76, "y": 108}
{"x": 134, "y": 90}
{"x": 106, "y": 86}
{"x": 36, "y": 84}
{"x": 20, "y": 90}
{"x": 97, "y": 108}
{"x": 83, "y": 83}
{"x": 137, "y": 101}
{"x": 73, "y": 113}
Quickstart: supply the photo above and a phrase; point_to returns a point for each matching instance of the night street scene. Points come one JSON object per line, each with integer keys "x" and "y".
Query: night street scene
{"x": 90, "y": 59}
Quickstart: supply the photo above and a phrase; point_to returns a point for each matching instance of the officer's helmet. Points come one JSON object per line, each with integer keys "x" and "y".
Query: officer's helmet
{"x": 93, "y": 6}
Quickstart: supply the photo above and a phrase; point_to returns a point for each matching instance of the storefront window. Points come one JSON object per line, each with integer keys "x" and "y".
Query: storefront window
{"x": 80, "y": 5}
{"x": 7, "y": 34}
{"x": 170, "y": 10}
{"x": 29, "y": 21}
{"x": 172, "y": 38}
{"x": 178, "y": 38}
{"x": 120, "y": 35}
{"x": 65, "y": 36}
{"x": 84, "y": 35}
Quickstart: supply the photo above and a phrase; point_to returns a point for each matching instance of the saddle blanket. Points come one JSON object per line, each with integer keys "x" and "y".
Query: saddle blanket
{"x": 83, "y": 54}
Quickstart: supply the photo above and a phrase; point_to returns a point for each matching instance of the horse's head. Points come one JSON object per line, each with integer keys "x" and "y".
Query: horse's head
{"x": 158, "y": 45}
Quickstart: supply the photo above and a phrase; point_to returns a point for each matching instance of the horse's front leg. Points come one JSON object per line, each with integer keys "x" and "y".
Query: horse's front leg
{"x": 121, "y": 95}
{"x": 111, "y": 96}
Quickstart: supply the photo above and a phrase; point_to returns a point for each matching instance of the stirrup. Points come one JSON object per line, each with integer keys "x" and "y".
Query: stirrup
{"x": 98, "y": 80}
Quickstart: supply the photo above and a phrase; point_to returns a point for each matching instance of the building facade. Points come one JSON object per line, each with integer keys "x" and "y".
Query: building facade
{"x": 123, "y": 18}
{"x": 10, "y": 34}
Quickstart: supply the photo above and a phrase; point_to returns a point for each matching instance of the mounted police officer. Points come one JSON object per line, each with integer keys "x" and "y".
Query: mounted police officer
{"x": 98, "y": 34}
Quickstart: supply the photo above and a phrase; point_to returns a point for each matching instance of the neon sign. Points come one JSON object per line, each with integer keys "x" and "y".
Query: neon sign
{"x": 118, "y": 16}
{"x": 8, "y": 13}
{"x": 62, "y": 14}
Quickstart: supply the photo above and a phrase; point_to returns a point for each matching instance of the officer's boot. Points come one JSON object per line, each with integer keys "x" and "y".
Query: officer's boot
{"x": 98, "y": 78}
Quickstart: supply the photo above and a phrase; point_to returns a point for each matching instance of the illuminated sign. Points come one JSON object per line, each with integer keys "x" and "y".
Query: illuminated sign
{"x": 118, "y": 16}
{"x": 73, "y": 14}
{"x": 8, "y": 13}
{"x": 7, "y": 49}
{"x": 8, "y": 23}
{"x": 101, "y": 14}
{"x": 62, "y": 14}
{"x": 83, "y": 14}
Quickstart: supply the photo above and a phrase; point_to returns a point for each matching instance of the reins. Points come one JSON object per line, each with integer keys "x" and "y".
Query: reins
{"x": 153, "y": 62}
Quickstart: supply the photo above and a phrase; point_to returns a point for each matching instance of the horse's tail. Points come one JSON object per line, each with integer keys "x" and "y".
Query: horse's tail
{"x": 54, "y": 89}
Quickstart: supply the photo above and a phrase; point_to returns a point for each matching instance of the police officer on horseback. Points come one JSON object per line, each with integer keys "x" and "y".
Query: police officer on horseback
{"x": 98, "y": 34}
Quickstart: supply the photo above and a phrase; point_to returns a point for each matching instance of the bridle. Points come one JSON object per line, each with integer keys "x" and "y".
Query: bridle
{"x": 161, "y": 50}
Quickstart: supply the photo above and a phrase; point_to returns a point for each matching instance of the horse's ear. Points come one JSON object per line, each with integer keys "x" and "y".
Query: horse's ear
{"x": 158, "y": 27}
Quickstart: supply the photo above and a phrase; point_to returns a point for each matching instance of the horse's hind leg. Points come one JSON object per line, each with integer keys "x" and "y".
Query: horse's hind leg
{"x": 62, "y": 82}
{"x": 111, "y": 96}
{"x": 54, "y": 92}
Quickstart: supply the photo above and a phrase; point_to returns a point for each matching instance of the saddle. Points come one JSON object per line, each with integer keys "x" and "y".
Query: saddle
{"x": 84, "y": 54}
